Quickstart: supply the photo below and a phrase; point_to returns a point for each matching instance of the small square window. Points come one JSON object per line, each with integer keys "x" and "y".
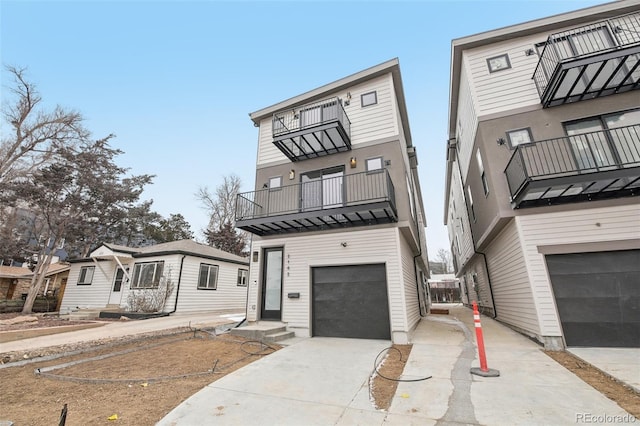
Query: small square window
{"x": 499, "y": 63}
{"x": 367, "y": 99}
{"x": 275, "y": 182}
{"x": 374, "y": 164}
{"x": 519, "y": 137}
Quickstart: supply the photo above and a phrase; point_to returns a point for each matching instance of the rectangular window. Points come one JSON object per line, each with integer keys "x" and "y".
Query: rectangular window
{"x": 86, "y": 275}
{"x": 472, "y": 211}
{"x": 367, "y": 99}
{"x": 208, "y": 279}
{"x": 243, "y": 277}
{"x": 519, "y": 137}
{"x": 147, "y": 275}
{"x": 483, "y": 175}
{"x": 373, "y": 164}
{"x": 498, "y": 63}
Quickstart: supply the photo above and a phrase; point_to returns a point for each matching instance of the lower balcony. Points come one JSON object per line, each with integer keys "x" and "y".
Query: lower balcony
{"x": 358, "y": 199}
{"x": 589, "y": 166}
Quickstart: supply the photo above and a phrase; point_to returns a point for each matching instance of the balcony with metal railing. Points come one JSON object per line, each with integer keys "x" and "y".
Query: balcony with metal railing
{"x": 312, "y": 130}
{"x": 588, "y": 166}
{"x": 595, "y": 60}
{"x": 357, "y": 199}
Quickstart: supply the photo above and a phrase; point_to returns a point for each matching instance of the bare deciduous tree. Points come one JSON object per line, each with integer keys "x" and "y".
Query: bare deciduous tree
{"x": 444, "y": 257}
{"x": 221, "y": 207}
{"x": 36, "y": 133}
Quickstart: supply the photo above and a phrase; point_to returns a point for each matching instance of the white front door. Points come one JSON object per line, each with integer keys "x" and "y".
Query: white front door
{"x": 116, "y": 289}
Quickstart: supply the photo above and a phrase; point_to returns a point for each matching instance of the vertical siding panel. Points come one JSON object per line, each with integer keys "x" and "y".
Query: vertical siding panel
{"x": 511, "y": 289}
{"x": 617, "y": 223}
{"x": 467, "y": 124}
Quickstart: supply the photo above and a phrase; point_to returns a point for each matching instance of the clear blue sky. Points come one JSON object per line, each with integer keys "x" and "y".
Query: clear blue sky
{"x": 175, "y": 81}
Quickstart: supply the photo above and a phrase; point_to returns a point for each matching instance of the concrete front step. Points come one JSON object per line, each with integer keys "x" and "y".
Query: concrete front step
{"x": 88, "y": 314}
{"x": 264, "y": 331}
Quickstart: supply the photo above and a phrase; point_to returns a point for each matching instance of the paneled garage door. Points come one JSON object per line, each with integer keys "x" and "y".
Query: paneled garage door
{"x": 351, "y": 301}
{"x": 598, "y": 297}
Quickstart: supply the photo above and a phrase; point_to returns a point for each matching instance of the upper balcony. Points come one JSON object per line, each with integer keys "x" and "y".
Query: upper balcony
{"x": 340, "y": 201}
{"x": 589, "y": 166}
{"x": 596, "y": 60}
{"x": 312, "y": 130}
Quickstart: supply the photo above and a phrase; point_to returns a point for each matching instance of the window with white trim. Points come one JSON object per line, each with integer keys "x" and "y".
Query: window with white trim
{"x": 86, "y": 275}
{"x": 243, "y": 277}
{"x": 147, "y": 275}
{"x": 519, "y": 137}
{"x": 208, "y": 279}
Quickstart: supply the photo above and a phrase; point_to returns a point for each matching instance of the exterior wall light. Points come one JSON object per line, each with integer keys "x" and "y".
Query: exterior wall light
{"x": 353, "y": 163}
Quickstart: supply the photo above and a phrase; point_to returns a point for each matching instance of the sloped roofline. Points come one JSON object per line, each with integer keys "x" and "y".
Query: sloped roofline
{"x": 549, "y": 24}
{"x": 391, "y": 66}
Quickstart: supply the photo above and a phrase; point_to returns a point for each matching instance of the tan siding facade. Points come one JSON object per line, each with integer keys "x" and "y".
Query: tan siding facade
{"x": 579, "y": 226}
{"x": 409, "y": 284}
{"x": 467, "y": 124}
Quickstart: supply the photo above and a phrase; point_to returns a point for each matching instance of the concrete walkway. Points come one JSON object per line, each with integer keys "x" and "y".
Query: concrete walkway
{"x": 324, "y": 381}
{"x": 621, "y": 363}
{"x": 123, "y": 328}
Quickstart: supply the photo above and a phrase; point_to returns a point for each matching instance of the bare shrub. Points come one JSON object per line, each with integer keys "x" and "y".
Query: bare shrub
{"x": 151, "y": 299}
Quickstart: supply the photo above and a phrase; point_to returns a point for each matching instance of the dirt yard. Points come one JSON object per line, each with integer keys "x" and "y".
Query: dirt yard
{"x": 135, "y": 380}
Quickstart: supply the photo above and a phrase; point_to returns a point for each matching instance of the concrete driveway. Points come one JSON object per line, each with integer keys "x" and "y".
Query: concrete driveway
{"x": 318, "y": 381}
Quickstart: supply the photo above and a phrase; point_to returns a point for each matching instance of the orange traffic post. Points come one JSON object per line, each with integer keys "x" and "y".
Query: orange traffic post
{"x": 483, "y": 371}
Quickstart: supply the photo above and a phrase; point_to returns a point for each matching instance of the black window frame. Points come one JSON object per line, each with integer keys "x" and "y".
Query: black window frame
{"x": 375, "y": 99}
{"x": 483, "y": 174}
{"x": 92, "y": 268}
{"x": 243, "y": 275}
{"x": 494, "y": 70}
{"x": 508, "y": 134}
{"x": 210, "y": 267}
{"x": 157, "y": 275}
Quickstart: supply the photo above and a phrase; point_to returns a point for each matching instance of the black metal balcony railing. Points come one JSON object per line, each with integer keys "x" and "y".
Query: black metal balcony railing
{"x": 312, "y": 130}
{"x": 584, "y": 165}
{"x": 590, "y": 61}
{"x": 351, "y": 200}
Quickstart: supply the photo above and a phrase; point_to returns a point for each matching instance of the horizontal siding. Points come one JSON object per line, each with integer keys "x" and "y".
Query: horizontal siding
{"x": 95, "y": 295}
{"x": 467, "y": 124}
{"x": 510, "y": 282}
{"x": 409, "y": 284}
{"x": 301, "y": 253}
{"x": 227, "y": 296}
{"x": 574, "y": 227}
{"x": 506, "y": 89}
{"x": 458, "y": 222}
{"x": 370, "y": 123}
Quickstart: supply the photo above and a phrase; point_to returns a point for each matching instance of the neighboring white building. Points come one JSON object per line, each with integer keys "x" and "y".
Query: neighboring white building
{"x": 337, "y": 215}
{"x": 204, "y": 278}
{"x": 543, "y": 173}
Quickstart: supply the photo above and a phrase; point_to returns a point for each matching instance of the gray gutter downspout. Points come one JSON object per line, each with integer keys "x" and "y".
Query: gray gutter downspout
{"x": 175, "y": 306}
{"x": 473, "y": 240}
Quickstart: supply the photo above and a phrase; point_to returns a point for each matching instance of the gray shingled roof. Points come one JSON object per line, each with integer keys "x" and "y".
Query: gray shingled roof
{"x": 190, "y": 247}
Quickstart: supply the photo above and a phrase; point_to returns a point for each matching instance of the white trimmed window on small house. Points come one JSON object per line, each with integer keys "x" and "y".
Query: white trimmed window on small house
{"x": 86, "y": 275}
{"x": 147, "y": 275}
{"x": 208, "y": 278}
{"x": 243, "y": 277}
